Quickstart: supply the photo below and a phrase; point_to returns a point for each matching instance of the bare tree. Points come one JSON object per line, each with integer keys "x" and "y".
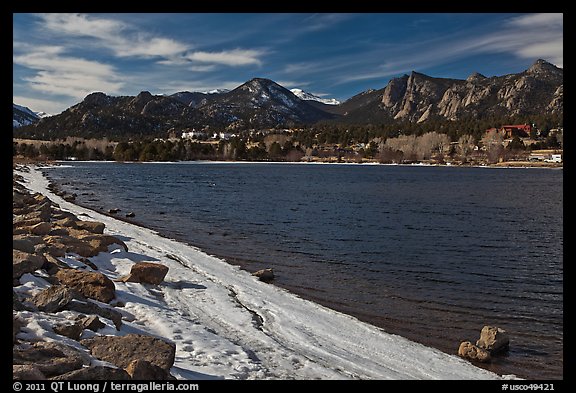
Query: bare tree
{"x": 493, "y": 143}
{"x": 465, "y": 146}
{"x": 406, "y": 144}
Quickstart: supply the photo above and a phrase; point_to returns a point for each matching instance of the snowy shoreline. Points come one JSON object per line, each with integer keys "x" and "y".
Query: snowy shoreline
{"x": 227, "y": 324}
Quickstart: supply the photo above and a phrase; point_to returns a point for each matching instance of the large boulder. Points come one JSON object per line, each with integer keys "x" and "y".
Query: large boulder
{"x": 470, "y": 351}
{"x": 92, "y": 285}
{"x": 49, "y": 358}
{"x": 493, "y": 339}
{"x": 91, "y": 226}
{"x": 121, "y": 351}
{"x": 23, "y": 262}
{"x": 147, "y": 272}
{"x": 53, "y": 299}
{"x": 94, "y": 373}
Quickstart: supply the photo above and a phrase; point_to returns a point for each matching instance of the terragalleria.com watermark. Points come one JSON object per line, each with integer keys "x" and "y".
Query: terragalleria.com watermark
{"x": 101, "y": 387}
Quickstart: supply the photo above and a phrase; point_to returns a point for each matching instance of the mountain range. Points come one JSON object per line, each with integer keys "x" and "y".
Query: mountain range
{"x": 262, "y": 103}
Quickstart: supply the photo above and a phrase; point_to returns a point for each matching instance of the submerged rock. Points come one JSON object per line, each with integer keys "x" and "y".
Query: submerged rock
{"x": 265, "y": 275}
{"x": 493, "y": 339}
{"x": 470, "y": 351}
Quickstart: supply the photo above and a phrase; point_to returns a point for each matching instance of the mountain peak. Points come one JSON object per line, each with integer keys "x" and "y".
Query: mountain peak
{"x": 542, "y": 66}
{"x": 475, "y": 77}
{"x": 97, "y": 99}
{"x": 304, "y": 95}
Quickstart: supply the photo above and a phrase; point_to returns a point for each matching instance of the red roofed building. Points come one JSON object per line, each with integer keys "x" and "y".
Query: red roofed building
{"x": 521, "y": 130}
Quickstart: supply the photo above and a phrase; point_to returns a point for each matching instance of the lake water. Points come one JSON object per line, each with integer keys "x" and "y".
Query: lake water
{"x": 430, "y": 253}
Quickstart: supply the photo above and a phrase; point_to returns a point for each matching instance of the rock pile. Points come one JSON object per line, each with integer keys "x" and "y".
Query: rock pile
{"x": 76, "y": 299}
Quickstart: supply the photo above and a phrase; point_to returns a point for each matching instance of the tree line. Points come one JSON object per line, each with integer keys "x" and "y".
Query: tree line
{"x": 391, "y": 142}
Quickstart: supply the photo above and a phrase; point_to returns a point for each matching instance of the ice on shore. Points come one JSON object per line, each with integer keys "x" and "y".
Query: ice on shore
{"x": 228, "y": 324}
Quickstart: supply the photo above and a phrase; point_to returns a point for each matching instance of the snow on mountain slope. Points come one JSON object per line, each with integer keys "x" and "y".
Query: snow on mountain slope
{"x": 227, "y": 324}
{"x": 303, "y": 95}
{"x": 23, "y": 116}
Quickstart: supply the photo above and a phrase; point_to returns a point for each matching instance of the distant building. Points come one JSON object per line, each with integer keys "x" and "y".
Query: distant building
{"x": 223, "y": 135}
{"x": 520, "y": 130}
{"x": 510, "y": 131}
{"x": 194, "y": 135}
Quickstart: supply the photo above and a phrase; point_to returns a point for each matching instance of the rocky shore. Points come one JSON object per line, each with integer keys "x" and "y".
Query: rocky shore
{"x": 75, "y": 309}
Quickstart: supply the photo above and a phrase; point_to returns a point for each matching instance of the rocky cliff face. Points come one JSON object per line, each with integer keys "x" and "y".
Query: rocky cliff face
{"x": 419, "y": 97}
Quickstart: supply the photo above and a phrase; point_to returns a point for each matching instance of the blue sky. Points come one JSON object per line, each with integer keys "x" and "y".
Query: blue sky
{"x": 60, "y": 58}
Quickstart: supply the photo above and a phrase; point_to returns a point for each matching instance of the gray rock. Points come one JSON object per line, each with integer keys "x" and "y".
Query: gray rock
{"x": 493, "y": 339}
{"x": 24, "y": 245}
{"x": 88, "y": 307}
{"x": 53, "y": 299}
{"x": 121, "y": 351}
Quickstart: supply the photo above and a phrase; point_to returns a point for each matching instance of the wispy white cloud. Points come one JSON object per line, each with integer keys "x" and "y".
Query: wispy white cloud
{"x": 528, "y": 37}
{"x": 122, "y": 39}
{"x": 323, "y": 21}
{"x": 203, "y": 68}
{"x": 234, "y": 57}
{"x": 59, "y": 74}
{"x": 538, "y": 20}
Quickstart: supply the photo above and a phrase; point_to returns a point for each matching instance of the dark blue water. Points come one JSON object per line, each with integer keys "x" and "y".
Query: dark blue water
{"x": 429, "y": 253}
